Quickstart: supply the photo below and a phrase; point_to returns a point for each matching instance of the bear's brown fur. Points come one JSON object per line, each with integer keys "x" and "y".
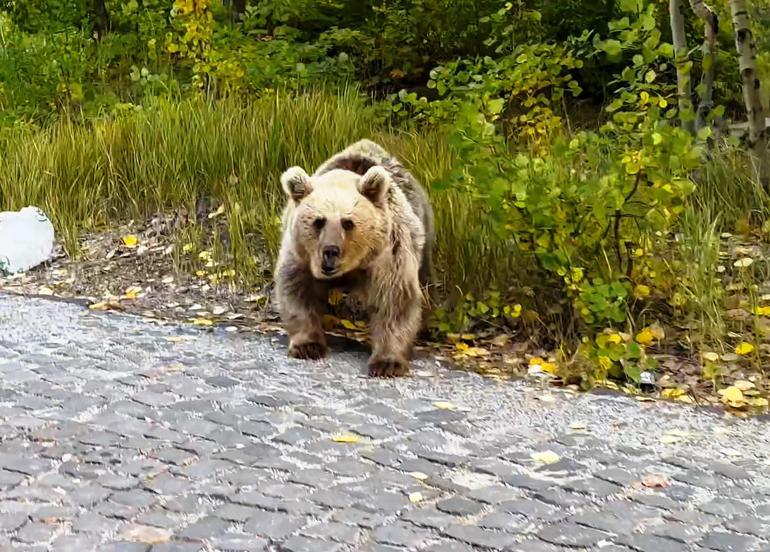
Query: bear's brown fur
{"x": 364, "y": 223}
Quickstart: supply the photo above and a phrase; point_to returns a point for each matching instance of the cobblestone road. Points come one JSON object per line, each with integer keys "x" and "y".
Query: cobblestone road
{"x": 121, "y": 435}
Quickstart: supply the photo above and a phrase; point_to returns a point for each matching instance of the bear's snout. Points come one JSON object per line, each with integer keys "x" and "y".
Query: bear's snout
{"x": 330, "y": 254}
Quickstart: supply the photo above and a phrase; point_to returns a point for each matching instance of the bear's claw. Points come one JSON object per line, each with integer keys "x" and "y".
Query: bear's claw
{"x": 388, "y": 367}
{"x": 308, "y": 351}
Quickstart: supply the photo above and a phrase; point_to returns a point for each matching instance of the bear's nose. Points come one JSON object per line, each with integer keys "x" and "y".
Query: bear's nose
{"x": 330, "y": 255}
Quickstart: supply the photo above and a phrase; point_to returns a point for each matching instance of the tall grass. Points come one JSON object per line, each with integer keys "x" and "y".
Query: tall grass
{"x": 89, "y": 174}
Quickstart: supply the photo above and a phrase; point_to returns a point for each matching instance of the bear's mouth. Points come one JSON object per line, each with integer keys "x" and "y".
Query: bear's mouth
{"x": 329, "y": 272}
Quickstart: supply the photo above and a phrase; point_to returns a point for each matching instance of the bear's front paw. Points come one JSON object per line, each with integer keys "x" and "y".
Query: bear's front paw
{"x": 388, "y": 367}
{"x": 309, "y": 350}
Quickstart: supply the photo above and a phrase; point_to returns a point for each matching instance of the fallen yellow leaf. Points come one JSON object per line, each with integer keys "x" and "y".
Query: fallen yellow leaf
{"x": 419, "y": 476}
{"x": 514, "y": 312}
{"x": 759, "y": 402}
{"x": 645, "y": 337}
{"x": 336, "y": 297}
{"x": 180, "y": 338}
{"x": 657, "y": 331}
{"x": 415, "y": 497}
{"x": 145, "y": 534}
{"x": 130, "y": 240}
{"x": 710, "y": 356}
{"x": 501, "y": 340}
{"x": 348, "y": 325}
{"x": 219, "y": 211}
{"x": 546, "y": 457}
{"x": 732, "y": 396}
{"x": 641, "y": 291}
{"x": 329, "y": 321}
{"x": 744, "y": 385}
{"x": 672, "y": 393}
{"x": 202, "y": 322}
{"x": 549, "y": 367}
{"x": 655, "y": 480}
{"x": 346, "y": 438}
{"x": 443, "y": 405}
{"x": 132, "y": 292}
{"x": 744, "y": 348}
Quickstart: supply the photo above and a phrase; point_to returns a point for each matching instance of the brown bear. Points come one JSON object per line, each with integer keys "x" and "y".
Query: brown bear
{"x": 363, "y": 223}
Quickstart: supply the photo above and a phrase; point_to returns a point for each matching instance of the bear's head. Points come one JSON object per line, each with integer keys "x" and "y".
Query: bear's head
{"x": 340, "y": 220}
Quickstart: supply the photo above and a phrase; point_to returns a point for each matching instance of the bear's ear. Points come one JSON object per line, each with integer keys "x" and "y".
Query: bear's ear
{"x": 296, "y": 183}
{"x": 374, "y": 185}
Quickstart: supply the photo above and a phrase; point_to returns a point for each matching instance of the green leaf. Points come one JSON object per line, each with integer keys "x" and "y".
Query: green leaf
{"x": 666, "y": 50}
{"x": 632, "y": 371}
{"x": 495, "y": 106}
{"x": 647, "y": 22}
{"x": 630, "y": 6}
{"x": 704, "y": 133}
{"x": 613, "y": 48}
{"x": 649, "y": 76}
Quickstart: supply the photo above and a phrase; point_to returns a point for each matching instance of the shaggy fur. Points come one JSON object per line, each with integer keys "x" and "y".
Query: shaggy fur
{"x": 374, "y": 216}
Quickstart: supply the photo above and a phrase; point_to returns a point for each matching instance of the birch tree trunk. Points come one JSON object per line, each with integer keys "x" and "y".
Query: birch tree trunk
{"x": 709, "y": 48}
{"x": 744, "y": 44}
{"x": 683, "y": 65}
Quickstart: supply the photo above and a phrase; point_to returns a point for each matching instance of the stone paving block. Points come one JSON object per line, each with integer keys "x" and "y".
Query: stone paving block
{"x": 402, "y": 534}
{"x": 729, "y": 542}
{"x": 274, "y": 525}
{"x": 305, "y": 544}
{"x": 205, "y": 528}
{"x": 354, "y": 516}
{"x": 479, "y": 537}
{"x": 429, "y": 517}
{"x": 333, "y": 531}
{"x": 571, "y": 534}
{"x": 459, "y": 506}
{"x": 652, "y": 543}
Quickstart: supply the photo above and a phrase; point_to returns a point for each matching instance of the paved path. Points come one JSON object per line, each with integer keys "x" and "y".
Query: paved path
{"x": 116, "y": 434}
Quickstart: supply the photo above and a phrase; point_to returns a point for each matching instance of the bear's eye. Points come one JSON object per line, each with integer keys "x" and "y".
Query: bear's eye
{"x": 319, "y": 223}
{"x": 347, "y": 224}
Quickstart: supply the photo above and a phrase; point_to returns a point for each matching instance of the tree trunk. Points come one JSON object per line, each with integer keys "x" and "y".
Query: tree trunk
{"x": 100, "y": 19}
{"x": 744, "y": 44}
{"x": 239, "y": 8}
{"x": 709, "y": 48}
{"x": 683, "y": 65}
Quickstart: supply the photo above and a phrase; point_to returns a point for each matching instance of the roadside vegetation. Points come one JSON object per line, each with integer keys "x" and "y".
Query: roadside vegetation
{"x": 599, "y": 171}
